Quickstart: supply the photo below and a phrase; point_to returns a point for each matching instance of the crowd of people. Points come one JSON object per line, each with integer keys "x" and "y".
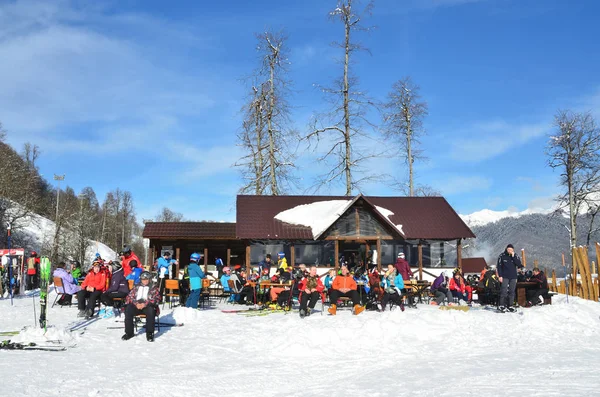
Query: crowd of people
{"x": 125, "y": 285}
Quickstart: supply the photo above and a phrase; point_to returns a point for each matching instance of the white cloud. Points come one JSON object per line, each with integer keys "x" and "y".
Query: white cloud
{"x": 483, "y": 141}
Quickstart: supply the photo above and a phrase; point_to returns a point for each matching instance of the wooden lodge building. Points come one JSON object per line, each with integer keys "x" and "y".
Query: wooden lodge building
{"x": 320, "y": 230}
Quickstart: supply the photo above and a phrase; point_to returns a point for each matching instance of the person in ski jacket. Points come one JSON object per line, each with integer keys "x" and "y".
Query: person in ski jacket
{"x": 508, "y": 263}
{"x": 219, "y": 265}
{"x": 403, "y": 268}
{"x": 69, "y": 287}
{"x": 129, "y": 260}
{"x": 344, "y": 286}
{"x": 282, "y": 261}
{"x": 246, "y": 294}
{"x": 329, "y": 279}
{"x": 541, "y": 288}
{"x": 144, "y": 298}
{"x": 33, "y": 270}
{"x": 134, "y": 275}
{"x": 164, "y": 263}
{"x": 311, "y": 288}
{"x": 265, "y": 264}
{"x": 91, "y": 289}
{"x": 118, "y": 287}
{"x": 457, "y": 287}
{"x": 196, "y": 275}
{"x": 392, "y": 284}
{"x": 76, "y": 271}
{"x": 439, "y": 288}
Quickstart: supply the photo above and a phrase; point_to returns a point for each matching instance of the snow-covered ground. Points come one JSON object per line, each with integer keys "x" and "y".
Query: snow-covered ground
{"x": 545, "y": 351}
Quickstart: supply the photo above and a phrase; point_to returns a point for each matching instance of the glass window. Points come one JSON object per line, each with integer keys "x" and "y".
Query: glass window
{"x": 260, "y": 249}
{"x": 319, "y": 253}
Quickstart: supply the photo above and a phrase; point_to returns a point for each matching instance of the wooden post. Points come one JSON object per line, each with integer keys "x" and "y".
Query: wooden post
{"x": 554, "y": 286}
{"x": 598, "y": 256}
{"x": 582, "y": 265}
{"x": 248, "y": 258}
{"x": 524, "y": 259}
{"x": 337, "y": 255}
{"x": 152, "y": 256}
{"x": 536, "y": 264}
{"x": 367, "y": 249}
{"x": 177, "y": 254}
{"x": 293, "y": 255}
{"x": 593, "y": 267}
{"x": 228, "y": 260}
{"x": 420, "y": 249}
{"x": 205, "y": 260}
{"x": 575, "y": 288}
{"x": 459, "y": 253}
{"x": 588, "y": 276}
{"x": 379, "y": 255}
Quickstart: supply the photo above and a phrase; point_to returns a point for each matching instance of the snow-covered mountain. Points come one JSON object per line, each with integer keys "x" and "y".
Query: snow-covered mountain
{"x": 39, "y": 232}
{"x": 486, "y": 216}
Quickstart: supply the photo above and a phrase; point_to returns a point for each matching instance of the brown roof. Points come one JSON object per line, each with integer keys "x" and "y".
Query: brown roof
{"x": 473, "y": 265}
{"x": 420, "y": 217}
{"x": 189, "y": 230}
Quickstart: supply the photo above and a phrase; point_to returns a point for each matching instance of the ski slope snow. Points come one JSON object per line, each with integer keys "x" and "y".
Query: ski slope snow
{"x": 546, "y": 351}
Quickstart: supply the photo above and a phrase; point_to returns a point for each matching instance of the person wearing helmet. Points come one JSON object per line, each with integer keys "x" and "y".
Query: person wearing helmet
{"x": 118, "y": 288}
{"x": 281, "y": 261}
{"x": 129, "y": 260}
{"x": 33, "y": 269}
{"x": 144, "y": 298}
{"x": 219, "y": 265}
{"x": 402, "y": 267}
{"x": 196, "y": 275}
{"x": 92, "y": 287}
{"x": 164, "y": 263}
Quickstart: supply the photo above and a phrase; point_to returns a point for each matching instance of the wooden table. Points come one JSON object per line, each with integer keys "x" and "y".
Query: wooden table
{"x": 522, "y": 288}
{"x": 418, "y": 288}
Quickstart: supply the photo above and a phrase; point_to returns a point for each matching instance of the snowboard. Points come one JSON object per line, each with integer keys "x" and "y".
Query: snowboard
{"x": 461, "y": 308}
{"x": 45, "y": 268}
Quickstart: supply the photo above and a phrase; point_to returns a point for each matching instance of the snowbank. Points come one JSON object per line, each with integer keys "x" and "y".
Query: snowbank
{"x": 545, "y": 351}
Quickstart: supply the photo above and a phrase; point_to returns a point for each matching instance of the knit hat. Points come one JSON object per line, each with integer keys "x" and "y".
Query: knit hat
{"x": 510, "y": 246}
{"x": 401, "y": 255}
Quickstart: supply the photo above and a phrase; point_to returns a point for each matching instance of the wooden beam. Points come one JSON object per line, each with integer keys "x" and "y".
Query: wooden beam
{"x": 177, "y": 254}
{"x": 357, "y": 219}
{"x": 367, "y": 249}
{"x": 523, "y": 258}
{"x": 248, "y": 258}
{"x": 459, "y": 253}
{"x": 292, "y": 255}
{"x": 337, "y": 255}
{"x": 420, "y": 249}
{"x": 228, "y": 260}
{"x": 205, "y": 260}
{"x": 379, "y": 255}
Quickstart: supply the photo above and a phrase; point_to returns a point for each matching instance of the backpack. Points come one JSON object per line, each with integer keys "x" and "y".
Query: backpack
{"x": 490, "y": 281}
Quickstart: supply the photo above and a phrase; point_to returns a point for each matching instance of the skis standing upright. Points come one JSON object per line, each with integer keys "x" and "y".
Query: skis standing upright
{"x": 45, "y": 267}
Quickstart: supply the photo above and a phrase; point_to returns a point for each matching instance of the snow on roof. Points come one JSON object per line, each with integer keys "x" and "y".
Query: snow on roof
{"x": 318, "y": 216}
{"x": 387, "y": 213}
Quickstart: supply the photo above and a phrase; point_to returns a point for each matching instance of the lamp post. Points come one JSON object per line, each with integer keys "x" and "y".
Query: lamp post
{"x": 57, "y": 178}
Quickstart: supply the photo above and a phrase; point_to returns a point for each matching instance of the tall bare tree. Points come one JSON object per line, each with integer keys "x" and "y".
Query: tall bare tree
{"x": 403, "y": 123}
{"x": 265, "y": 134}
{"x": 575, "y": 151}
{"x": 342, "y": 127}
{"x": 168, "y": 215}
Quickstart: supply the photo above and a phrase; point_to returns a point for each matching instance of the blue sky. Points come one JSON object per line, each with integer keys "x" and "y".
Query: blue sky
{"x": 145, "y": 95}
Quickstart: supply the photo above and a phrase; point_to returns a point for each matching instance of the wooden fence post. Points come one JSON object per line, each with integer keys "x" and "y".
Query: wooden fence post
{"x": 523, "y": 257}
{"x": 554, "y": 287}
{"x": 581, "y": 267}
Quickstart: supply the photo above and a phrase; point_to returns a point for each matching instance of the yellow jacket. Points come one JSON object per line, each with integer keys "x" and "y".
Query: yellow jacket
{"x": 282, "y": 263}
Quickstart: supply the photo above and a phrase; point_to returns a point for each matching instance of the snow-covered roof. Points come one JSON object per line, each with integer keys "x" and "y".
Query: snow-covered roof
{"x": 318, "y": 216}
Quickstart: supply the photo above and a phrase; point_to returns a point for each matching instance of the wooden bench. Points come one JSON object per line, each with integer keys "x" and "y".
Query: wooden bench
{"x": 548, "y": 300}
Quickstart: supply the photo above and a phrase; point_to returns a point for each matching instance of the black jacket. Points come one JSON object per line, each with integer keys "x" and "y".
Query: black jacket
{"x": 507, "y": 265}
{"x": 541, "y": 280}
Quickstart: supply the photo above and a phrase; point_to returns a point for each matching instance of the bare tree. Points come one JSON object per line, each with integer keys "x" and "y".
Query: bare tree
{"x": 343, "y": 124}
{"x": 403, "y": 123}
{"x": 168, "y": 215}
{"x": 575, "y": 151}
{"x": 267, "y": 165}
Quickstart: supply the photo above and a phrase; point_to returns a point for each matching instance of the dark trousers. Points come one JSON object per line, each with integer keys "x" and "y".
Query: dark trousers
{"x": 533, "y": 295}
{"x": 507, "y": 291}
{"x": 337, "y": 294}
{"x": 313, "y": 297}
{"x": 131, "y": 311}
{"x": 459, "y": 295}
{"x": 391, "y": 297}
{"x": 247, "y": 294}
{"x": 92, "y": 298}
{"x": 32, "y": 282}
{"x": 108, "y": 297}
{"x": 65, "y": 299}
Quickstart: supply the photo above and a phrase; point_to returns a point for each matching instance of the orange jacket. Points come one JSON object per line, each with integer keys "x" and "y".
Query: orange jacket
{"x": 96, "y": 280}
{"x": 126, "y": 263}
{"x": 453, "y": 286}
{"x": 344, "y": 282}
